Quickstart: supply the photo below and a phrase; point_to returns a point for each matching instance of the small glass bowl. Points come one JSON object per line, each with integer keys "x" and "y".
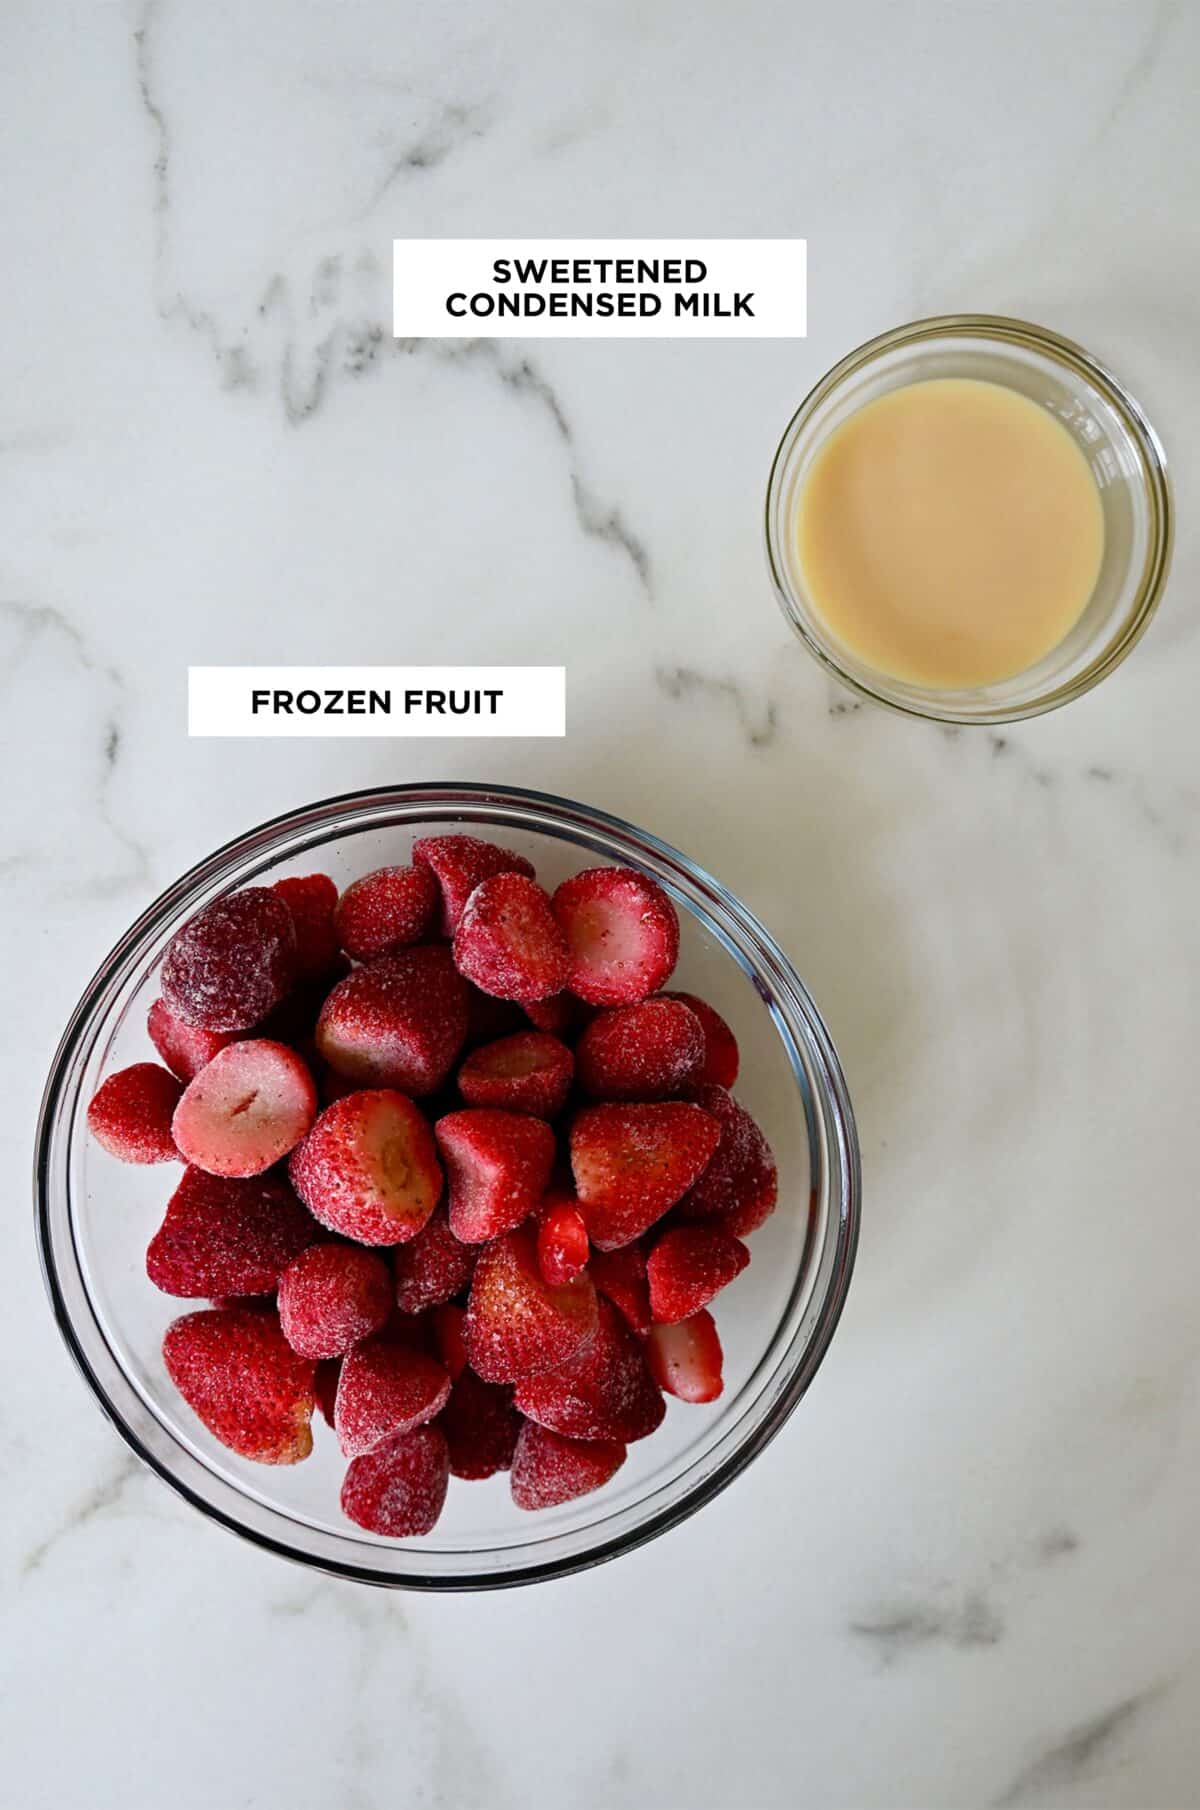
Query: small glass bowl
{"x": 1122, "y": 449}
{"x": 95, "y": 1216}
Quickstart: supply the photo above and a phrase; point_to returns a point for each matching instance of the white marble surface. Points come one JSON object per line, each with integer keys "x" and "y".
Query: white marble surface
{"x": 966, "y": 1573}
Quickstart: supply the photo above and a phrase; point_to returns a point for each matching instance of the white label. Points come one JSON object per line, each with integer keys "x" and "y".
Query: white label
{"x": 599, "y": 288}
{"x": 377, "y": 700}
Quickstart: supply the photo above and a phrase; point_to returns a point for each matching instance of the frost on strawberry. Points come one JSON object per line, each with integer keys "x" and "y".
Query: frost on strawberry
{"x": 632, "y": 1163}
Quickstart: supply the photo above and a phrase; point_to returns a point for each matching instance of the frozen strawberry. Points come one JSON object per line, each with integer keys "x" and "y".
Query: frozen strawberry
{"x": 386, "y": 910}
{"x": 622, "y": 932}
{"x": 432, "y": 1267}
{"x": 385, "y": 1389}
{"x": 562, "y": 1240}
{"x": 325, "y": 1387}
{"x": 686, "y": 1358}
{"x": 185, "y": 1048}
{"x": 547, "y": 1469}
{"x": 459, "y": 864}
{"x": 497, "y": 1166}
{"x": 739, "y": 1188}
{"x": 720, "y": 1064}
{"x": 508, "y": 941}
{"x": 250, "y": 1106}
{"x": 450, "y": 1337}
{"x": 604, "y": 1392}
{"x": 398, "y": 1491}
{"x": 527, "y": 1072}
{"x": 489, "y": 1019}
{"x": 224, "y": 1237}
{"x": 563, "y": 1015}
{"x": 237, "y": 1372}
{"x": 131, "y": 1113}
{"x": 632, "y": 1163}
{"x": 621, "y": 1277}
{"x": 232, "y": 962}
{"x": 517, "y": 1324}
{"x": 688, "y": 1266}
{"x": 311, "y": 899}
{"x": 369, "y": 1169}
{"x": 481, "y": 1427}
{"x": 331, "y": 1296}
{"x": 649, "y": 1051}
{"x": 399, "y": 1022}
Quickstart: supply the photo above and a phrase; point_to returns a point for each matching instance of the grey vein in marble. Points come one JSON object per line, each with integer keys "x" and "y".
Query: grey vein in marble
{"x": 758, "y": 725}
{"x": 103, "y": 1495}
{"x": 908, "y": 1627}
{"x": 1076, "y": 1755}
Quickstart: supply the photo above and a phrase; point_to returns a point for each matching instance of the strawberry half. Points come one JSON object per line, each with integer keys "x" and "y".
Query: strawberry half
{"x": 385, "y": 1389}
{"x": 481, "y": 1427}
{"x": 649, "y": 1051}
{"x": 228, "y": 966}
{"x": 369, "y": 1169}
{"x": 632, "y": 1163}
{"x": 604, "y": 1392}
{"x": 562, "y": 1240}
{"x": 548, "y": 1469}
{"x": 622, "y": 932}
{"x": 621, "y": 1277}
{"x": 527, "y": 1072}
{"x": 497, "y": 1167}
{"x": 399, "y": 1022}
{"x": 721, "y": 1057}
{"x": 250, "y": 1106}
{"x": 224, "y": 1237}
{"x": 131, "y": 1114}
{"x": 508, "y": 941}
{"x": 686, "y": 1359}
{"x": 432, "y": 1267}
{"x": 237, "y": 1372}
{"x": 459, "y": 864}
{"x": 740, "y": 1187}
{"x": 688, "y": 1266}
{"x": 331, "y": 1296}
{"x": 185, "y": 1048}
{"x": 399, "y": 1490}
{"x": 311, "y": 899}
{"x": 450, "y": 1337}
{"x": 518, "y": 1324}
{"x": 386, "y": 910}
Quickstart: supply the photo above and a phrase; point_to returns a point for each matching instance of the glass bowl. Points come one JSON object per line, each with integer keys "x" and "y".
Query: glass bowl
{"x": 95, "y": 1216}
{"x": 1122, "y": 449}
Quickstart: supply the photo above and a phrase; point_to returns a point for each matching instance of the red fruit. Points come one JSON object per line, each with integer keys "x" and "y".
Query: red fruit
{"x": 325, "y": 1387}
{"x": 386, "y": 910}
{"x": 489, "y": 1019}
{"x": 645, "y": 1052}
{"x": 497, "y": 1166}
{"x": 562, "y": 1241}
{"x": 311, "y": 899}
{"x": 459, "y": 864}
{"x": 450, "y": 1337}
{"x": 548, "y": 1469}
{"x": 331, "y": 1296}
{"x": 481, "y": 1427}
{"x": 232, "y": 962}
{"x": 508, "y": 940}
{"x": 632, "y": 1163}
{"x": 562, "y": 1014}
{"x": 399, "y": 1490}
{"x": 741, "y": 1185}
{"x": 621, "y": 1277}
{"x": 622, "y": 932}
{"x": 183, "y": 1047}
{"x": 235, "y": 1369}
{"x": 527, "y": 1072}
{"x": 250, "y": 1106}
{"x": 368, "y": 1168}
{"x": 130, "y": 1115}
{"x": 399, "y": 1022}
{"x": 517, "y": 1324}
{"x": 432, "y": 1267}
{"x": 720, "y": 1065}
{"x": 688, "y": 1266}
{"x": 686, "y": 1358}
{"x": 385, "y": 1389}
{"x": 604, "y": 1392}
{"x": 224, "y": 1237}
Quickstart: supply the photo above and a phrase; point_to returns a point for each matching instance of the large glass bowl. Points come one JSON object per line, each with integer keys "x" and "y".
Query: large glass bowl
{"x": 95, "y": 1216}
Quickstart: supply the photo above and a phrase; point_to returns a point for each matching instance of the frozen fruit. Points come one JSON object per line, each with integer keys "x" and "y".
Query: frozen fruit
{"x": 386, "y": 910}
{"x": 131, "y": 1113}
{"x": 237, "y": 1372}
{"x": 518, "y": 1324}
{"x": 604, "y": 1392}
{"x": 497, "y": 1166}
{"x": 621, "y": 1277}
{"x": 632, "y": 1163}
{"x": 331, "y": 1296}
{"x": 563, "y": 1014}
{"x": 481, "y": 1427}
{"x": 489, "y": 1019}
{"x": 548, "y": 1469}
{"x": 185, "y": 1048}
{"x": 398, "y": 1022}
{"x": 311, "y": 899}
{"x": 232, "y": 962}
{"x": 686, "y": 1358}
{"x": 369, "y": 1169}
{"x": 459, "y": 864}
{"x": 432, "y": 1267}
{"x": 385, "y": 1388}
{"x": 226, "y": 1237}
{"x": 450, "y": 1337}
{"x": 688, "y": 1266}
{"x": 508, "y": 941}
{"x": 739, "y": 1188}
{"x": 720, "y": 1064}
{"x": 527, "y": 1072}
{"x": 562, "y": 1240}
{"x": 250, "y": 1106}
{"x": 622, "y": 932}
{"x": 399, "y": 1490}
{"x": 325, "y": 1387}
{"x": 649, "y": 1051}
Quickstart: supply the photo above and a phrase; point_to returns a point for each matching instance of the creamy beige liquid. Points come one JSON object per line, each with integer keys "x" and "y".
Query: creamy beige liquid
{"x": 950, "y": 533}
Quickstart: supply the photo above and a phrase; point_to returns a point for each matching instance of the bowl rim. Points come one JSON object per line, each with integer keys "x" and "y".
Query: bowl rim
{"x": 1003, "y": 329}
{"x": 442, "y": 798}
